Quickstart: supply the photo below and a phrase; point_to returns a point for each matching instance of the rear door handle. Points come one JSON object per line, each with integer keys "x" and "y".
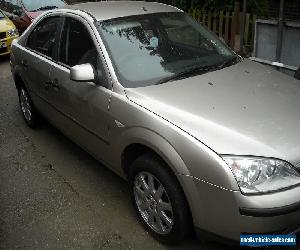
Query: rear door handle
{"x": 55, "y": 84}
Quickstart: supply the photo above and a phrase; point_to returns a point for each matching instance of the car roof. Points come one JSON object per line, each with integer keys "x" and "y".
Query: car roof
{"x": 113, "y": 9}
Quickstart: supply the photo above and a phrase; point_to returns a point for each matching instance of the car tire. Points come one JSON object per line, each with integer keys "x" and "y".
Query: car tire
{"x": 29, "y": 112}
{"x": 161, "y": 207}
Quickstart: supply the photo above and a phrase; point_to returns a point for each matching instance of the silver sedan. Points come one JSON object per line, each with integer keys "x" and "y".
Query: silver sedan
{"x": 207, "y": 140}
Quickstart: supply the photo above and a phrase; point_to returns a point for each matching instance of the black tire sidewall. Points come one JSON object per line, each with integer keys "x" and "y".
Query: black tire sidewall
{"x": 181, "y": 221}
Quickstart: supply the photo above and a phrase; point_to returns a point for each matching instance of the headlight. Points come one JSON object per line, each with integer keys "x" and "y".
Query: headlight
{"x": 12, "y": 32}
{"x": 260, "y": 175}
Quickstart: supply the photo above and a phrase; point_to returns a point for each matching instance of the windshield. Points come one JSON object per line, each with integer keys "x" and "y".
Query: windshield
{"x": 34, "y": 5}
{"x": 148, "y": 48}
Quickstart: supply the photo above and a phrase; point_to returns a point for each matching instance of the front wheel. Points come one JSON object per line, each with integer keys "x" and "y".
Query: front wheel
{"x": 30, "y": 114}
{"x": 159, "y": 200}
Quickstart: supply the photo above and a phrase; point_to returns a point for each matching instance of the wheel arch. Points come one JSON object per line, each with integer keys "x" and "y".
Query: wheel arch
{"x": 140, "y": 141}
{"x": 166, "y": 153}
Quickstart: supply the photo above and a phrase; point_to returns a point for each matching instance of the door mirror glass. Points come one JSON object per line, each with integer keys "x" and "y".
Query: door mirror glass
{"x": 82, "y": 73}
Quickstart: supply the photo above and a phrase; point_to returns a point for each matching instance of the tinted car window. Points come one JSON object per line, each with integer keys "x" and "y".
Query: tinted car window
{"x": 77, "y": 44}
{"x": 43, "y": 37}
{"x": 9, "y": 5}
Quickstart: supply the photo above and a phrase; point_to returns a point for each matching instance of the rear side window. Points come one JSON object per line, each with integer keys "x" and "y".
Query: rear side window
{"x": 43, "y": 38}
{"x": 77, "y": 46}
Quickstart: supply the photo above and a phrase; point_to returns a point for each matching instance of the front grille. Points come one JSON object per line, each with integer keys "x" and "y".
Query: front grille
{"x": 2, "y": 35}
{"x": 3, "y": 50}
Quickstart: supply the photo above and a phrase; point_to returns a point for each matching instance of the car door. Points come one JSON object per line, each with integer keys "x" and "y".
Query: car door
{"x": 37, "y": 60}
{"x": 83, "y": 106}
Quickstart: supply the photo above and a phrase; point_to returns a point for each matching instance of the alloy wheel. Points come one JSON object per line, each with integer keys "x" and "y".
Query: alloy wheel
{"x": 153, "y": 203}
{"x": 25, "y": 105}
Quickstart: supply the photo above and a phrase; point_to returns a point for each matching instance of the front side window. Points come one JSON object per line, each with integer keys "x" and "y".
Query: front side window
{"x": 36, "y": 5}
{"x": 149, "y": 48}
{"x": 77, "y": 46}
{"x": 43, "y": 38}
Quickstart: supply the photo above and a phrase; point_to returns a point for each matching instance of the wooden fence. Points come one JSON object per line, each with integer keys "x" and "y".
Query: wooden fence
{"x": 226, "y": 24}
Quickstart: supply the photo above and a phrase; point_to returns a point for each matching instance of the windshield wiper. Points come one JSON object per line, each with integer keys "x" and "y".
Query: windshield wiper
{"x": 49, "y": 7}
{"x": 199, "y": 70}
{"x": 186, "y": 73}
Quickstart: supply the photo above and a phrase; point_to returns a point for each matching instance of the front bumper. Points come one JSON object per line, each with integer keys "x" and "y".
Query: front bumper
{"x": 229, "y": 213}
{"x": 6, "y": 50}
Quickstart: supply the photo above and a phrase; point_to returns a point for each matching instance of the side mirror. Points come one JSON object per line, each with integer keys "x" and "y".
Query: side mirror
{"x": 82, "y": 73}
{"x": 297, "y": 74}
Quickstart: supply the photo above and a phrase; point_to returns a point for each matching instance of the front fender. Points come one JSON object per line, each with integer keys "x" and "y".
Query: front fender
{"x": 154, "y": 141}
{"x": 184, "y": 153}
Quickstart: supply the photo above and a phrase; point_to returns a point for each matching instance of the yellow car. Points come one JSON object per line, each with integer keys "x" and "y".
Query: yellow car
{"x": 8, "y": 33}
